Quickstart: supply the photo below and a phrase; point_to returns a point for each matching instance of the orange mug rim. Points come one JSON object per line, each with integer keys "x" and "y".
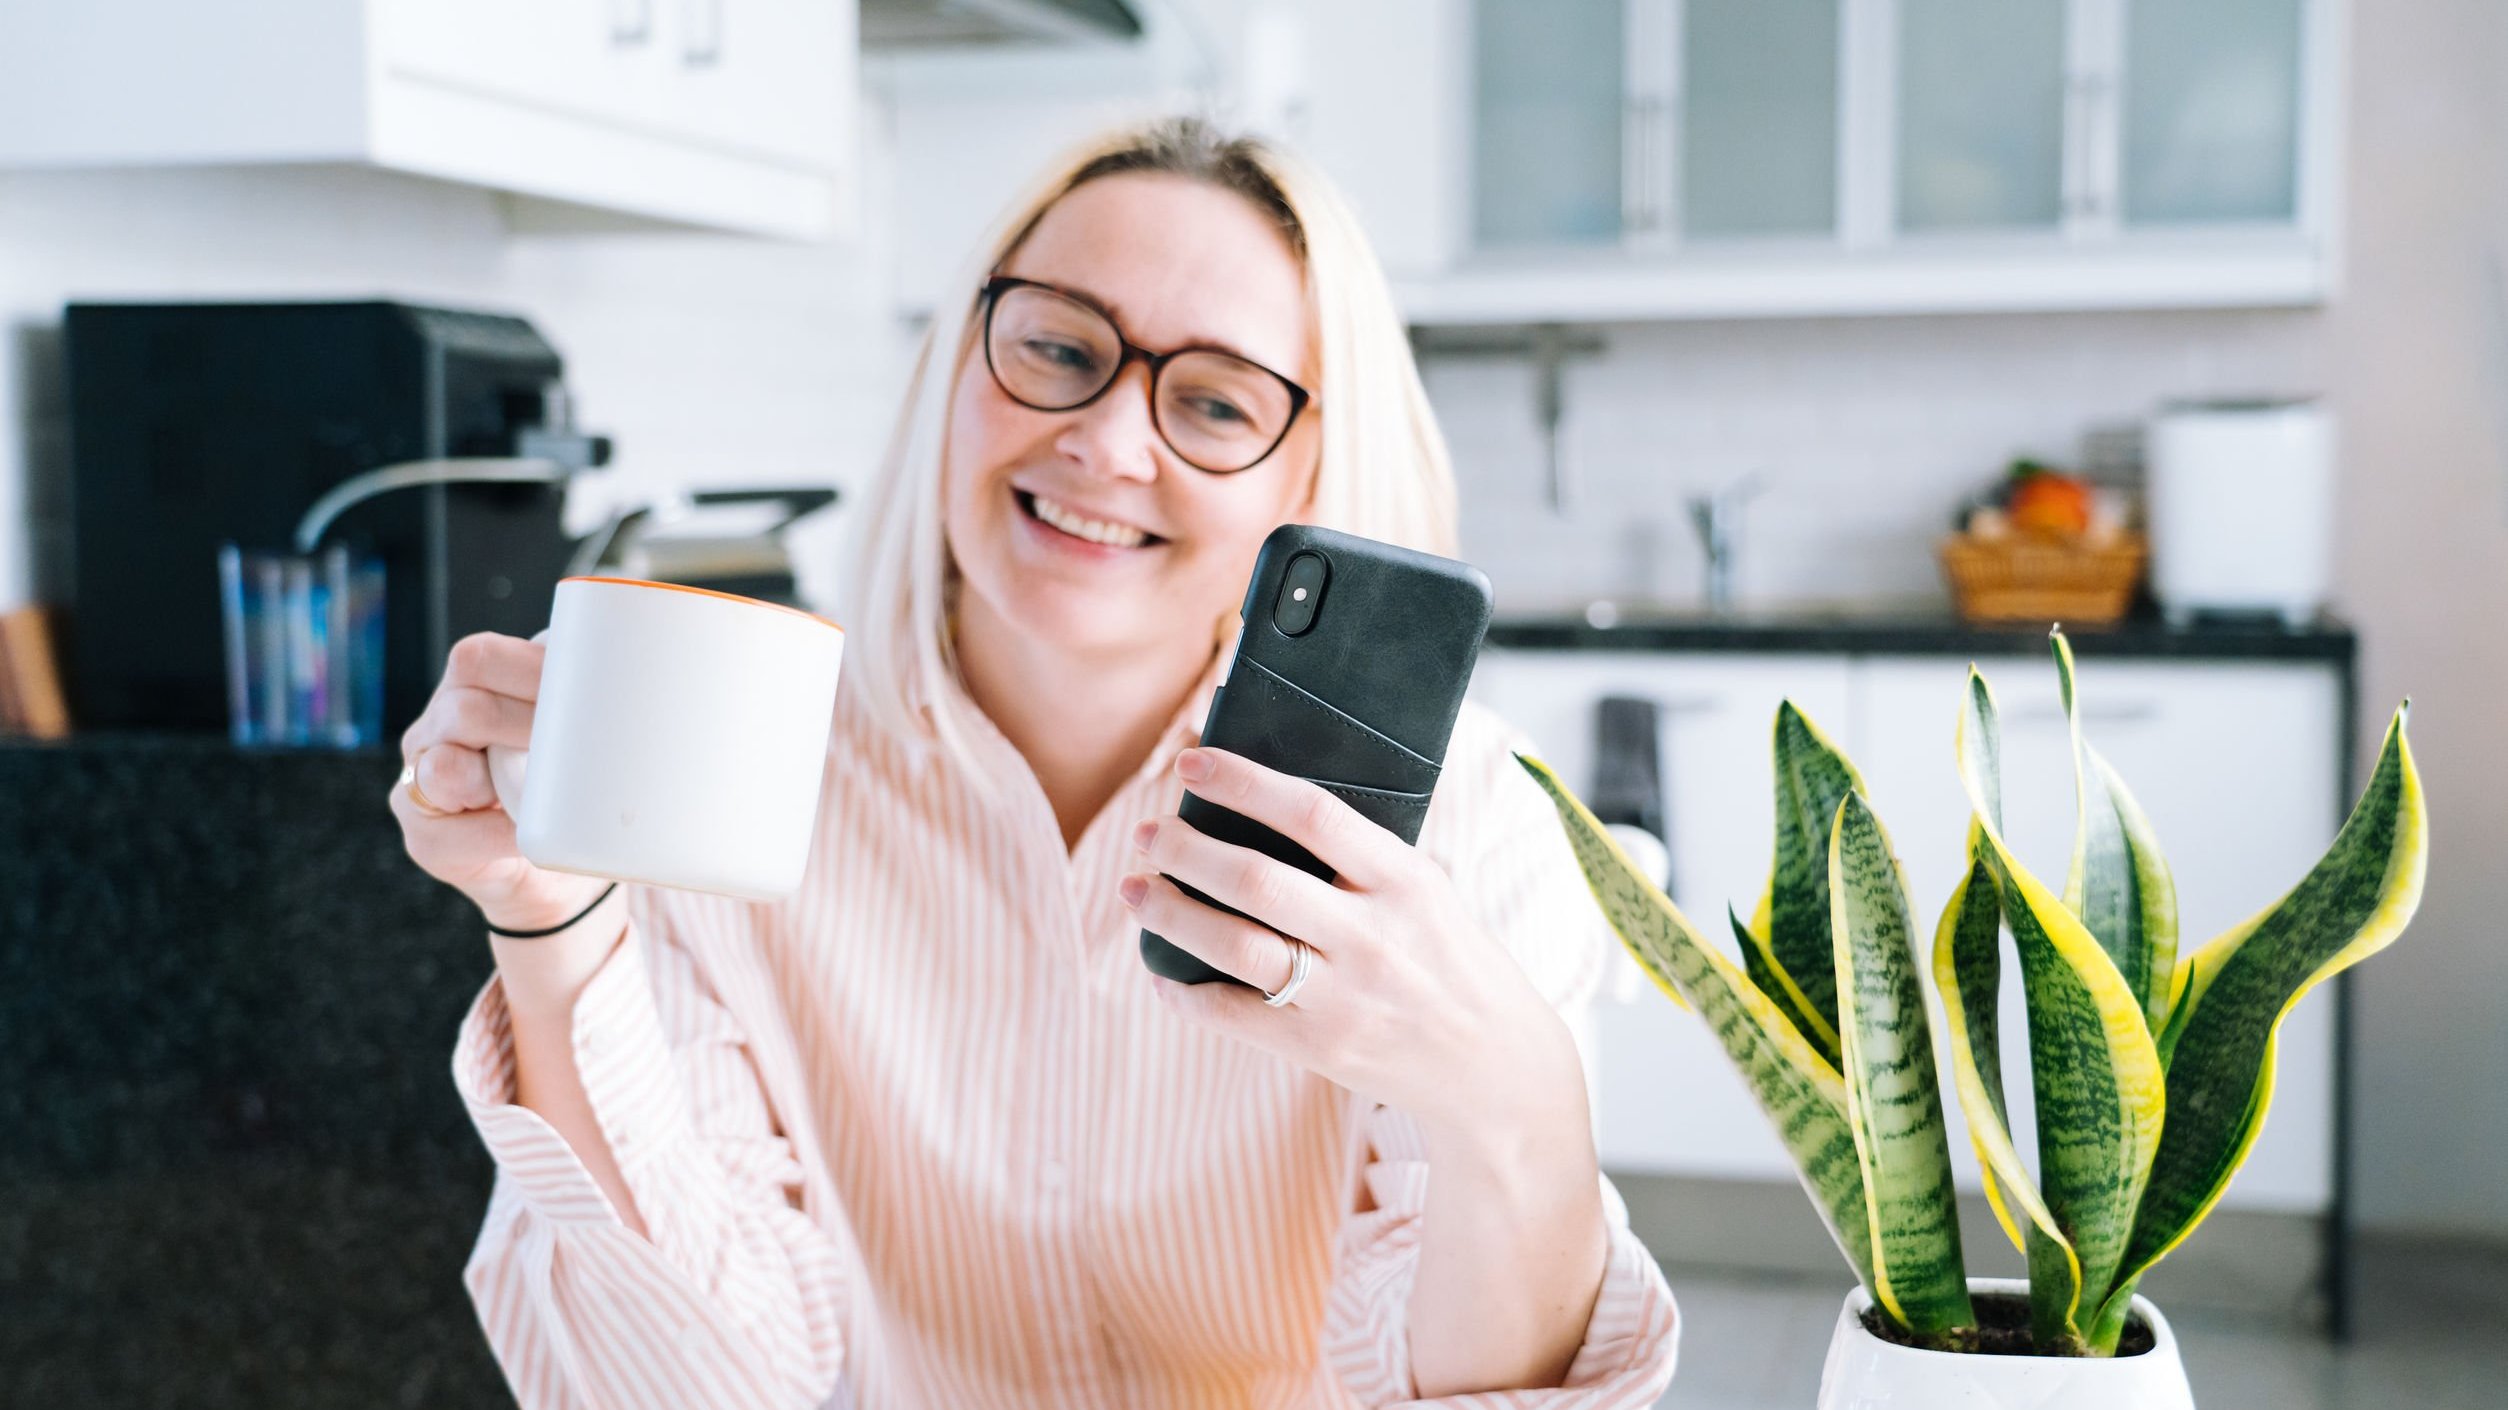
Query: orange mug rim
{"x": 704, "y": 592}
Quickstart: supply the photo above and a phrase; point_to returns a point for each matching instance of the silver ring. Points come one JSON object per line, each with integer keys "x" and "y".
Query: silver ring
{"x": 1301, "y": 961}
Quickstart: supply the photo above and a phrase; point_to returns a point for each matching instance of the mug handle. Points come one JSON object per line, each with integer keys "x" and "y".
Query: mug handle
{"x": 506, "y": 767}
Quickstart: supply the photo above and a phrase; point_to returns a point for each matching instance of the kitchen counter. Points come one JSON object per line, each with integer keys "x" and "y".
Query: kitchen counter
{"x": 235, "y": 1169}
{"x": 1640, "y": 627}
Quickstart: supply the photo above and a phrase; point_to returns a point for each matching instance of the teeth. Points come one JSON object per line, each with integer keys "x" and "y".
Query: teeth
{"x": 1094, "y": 530}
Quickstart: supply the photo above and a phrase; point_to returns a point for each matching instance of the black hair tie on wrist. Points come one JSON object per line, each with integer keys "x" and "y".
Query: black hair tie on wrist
{"x": 552, "y": 930}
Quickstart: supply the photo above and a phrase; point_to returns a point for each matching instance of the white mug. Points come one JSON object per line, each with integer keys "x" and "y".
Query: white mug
{"x": 680, "y": 738}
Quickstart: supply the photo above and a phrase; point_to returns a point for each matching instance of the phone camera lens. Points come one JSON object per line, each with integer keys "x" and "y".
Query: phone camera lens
{"x": 1301, "y": 594}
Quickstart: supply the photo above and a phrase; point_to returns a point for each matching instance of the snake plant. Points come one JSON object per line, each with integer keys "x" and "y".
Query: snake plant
{"x": 2152, "y": 1068}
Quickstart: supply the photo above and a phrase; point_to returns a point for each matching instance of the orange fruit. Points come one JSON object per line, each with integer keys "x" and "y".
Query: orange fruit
{"x": 2049, "y": 502}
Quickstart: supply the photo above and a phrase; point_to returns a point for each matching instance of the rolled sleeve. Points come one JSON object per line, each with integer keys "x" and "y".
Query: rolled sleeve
{"x": 733, "y": 1296}
{"x": 615, "y": 1030}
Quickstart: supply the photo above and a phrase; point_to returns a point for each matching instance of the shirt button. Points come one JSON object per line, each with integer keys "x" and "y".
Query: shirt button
{"x": 1050, "y": 1175}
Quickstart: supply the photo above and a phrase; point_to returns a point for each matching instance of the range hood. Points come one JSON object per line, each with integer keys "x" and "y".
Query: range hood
{"x": 903, "y": 24}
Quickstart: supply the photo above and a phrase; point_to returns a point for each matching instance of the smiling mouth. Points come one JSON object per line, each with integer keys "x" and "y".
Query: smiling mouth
{"x": 1027, "y": 506}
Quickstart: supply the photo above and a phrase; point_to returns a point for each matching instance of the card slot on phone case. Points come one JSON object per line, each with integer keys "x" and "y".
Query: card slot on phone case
{"x": 1288, "y": 721}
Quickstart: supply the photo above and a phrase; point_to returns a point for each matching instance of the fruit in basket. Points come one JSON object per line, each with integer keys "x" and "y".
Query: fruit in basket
{"x": 2045, "y": 500}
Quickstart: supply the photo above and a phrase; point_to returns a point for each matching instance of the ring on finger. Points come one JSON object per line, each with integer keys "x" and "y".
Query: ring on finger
{"x": 417, "y": 799}
{"x": 1301, "y": 963}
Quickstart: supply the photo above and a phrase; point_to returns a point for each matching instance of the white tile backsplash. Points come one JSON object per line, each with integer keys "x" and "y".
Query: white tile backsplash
{"x": 1867, "y": 434}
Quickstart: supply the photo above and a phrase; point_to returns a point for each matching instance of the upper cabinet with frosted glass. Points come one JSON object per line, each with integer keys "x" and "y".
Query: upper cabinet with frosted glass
{"x": 1627, "y": 159}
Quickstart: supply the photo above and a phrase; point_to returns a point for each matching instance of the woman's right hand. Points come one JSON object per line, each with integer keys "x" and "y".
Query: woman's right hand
{"x": 490, "y": 684}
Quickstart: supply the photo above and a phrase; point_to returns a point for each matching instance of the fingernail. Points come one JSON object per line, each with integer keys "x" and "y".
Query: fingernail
{"x": 1193, "y": 763}
{"x": 1141, "y": 835}
{"x": 1132, "y": 889}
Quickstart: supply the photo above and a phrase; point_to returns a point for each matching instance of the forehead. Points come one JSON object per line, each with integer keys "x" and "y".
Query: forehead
{"x": 1179, "y": 261}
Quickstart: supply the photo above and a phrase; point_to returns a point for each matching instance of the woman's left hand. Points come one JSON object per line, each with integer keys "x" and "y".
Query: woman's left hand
{"x": 1409, "y": 1001}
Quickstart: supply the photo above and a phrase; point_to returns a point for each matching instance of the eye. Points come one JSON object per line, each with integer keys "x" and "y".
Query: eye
{"x": 1060, "y": 353}
{"x": 1217, "y": 410}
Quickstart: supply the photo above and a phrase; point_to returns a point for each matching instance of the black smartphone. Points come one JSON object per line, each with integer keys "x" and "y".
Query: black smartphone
{"x": 1349, "y": 672}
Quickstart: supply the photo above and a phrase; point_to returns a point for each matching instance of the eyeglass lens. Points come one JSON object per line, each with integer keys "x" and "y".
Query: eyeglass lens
{"x": 1217, "y": 410}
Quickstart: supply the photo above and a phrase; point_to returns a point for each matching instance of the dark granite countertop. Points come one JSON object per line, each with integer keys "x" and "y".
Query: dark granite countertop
{"x": 235, "y": 1170}
{"x": 1913, "y": 631}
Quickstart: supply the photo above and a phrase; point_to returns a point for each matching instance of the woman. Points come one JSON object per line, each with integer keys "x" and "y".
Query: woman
{"x": 930, "y": 1134}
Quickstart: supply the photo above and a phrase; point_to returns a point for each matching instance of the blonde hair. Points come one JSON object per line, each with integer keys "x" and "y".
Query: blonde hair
{"x": 1383, "y": 470}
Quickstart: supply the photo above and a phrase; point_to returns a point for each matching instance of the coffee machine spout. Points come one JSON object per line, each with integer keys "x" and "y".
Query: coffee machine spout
{"x": 403, "y": 474}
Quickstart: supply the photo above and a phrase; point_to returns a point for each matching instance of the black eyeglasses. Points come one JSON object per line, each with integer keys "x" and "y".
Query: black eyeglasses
{"x": 1049, "y": 351}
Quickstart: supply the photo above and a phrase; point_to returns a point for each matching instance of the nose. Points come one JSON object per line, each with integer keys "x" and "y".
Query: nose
{"x": 1116, "y": 435}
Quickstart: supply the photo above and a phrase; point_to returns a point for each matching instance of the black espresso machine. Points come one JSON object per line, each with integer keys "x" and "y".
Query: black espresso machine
{"x": 437, "y": 440}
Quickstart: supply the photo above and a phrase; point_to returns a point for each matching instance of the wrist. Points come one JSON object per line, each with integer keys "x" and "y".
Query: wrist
{"x": 1526, "y": 1112}
{"x": 540, "y": 914}
{"x": 543, "y": 976}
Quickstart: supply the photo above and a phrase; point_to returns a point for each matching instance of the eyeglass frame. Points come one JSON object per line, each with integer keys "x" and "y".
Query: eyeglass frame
{"x": 1299, "y": 397}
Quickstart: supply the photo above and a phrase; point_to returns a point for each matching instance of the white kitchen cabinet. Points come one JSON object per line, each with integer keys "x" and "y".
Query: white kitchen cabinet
{"x": 729, "y": 114}
{"x": 2234, "y": 762}
{"x": 1738, "y": 158}
{"x": 1665, "y": 1097}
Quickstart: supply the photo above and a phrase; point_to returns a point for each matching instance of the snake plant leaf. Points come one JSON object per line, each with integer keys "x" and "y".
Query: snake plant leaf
{"x": 1812, "y": 777}
{"x": 1968, "y": 974}
{"x": 2096, "y": 1073}
{"x": 1779, "y": 986}
{"x": 1893, "y": 1096}
{"x": 1800, "y": 1091}
{"x": 2119, "y": 883}
{"x": 2352, "y": 904}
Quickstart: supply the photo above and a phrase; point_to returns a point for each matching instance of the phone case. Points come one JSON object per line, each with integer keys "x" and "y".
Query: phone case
{"x": 1361, "y": 701}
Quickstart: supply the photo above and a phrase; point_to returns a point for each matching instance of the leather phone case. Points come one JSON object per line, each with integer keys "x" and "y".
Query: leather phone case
{"x": 1361, "y": 702}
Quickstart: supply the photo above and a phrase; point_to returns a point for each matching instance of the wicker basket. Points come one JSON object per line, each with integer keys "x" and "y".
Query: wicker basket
{"x": 2026, "y": 577}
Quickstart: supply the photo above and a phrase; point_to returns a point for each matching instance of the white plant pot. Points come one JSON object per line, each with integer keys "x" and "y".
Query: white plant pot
{"x": 1866, "y": 1373}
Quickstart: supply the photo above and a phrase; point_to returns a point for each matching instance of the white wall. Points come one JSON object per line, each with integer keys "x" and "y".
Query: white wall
{"x": 2419, "y": 362}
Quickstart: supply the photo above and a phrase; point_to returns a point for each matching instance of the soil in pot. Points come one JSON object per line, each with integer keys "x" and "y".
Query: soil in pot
{"x": 2002, "y": 1330}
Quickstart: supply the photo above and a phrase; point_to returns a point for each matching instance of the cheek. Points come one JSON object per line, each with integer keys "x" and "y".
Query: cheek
{"x": 982, "y": 440}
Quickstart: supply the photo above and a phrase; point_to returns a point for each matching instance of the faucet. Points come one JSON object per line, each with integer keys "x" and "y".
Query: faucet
{"x": 1717, "y": 518}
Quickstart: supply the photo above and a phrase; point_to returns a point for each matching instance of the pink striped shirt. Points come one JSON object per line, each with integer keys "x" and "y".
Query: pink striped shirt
{"x": 921, "y": 1136}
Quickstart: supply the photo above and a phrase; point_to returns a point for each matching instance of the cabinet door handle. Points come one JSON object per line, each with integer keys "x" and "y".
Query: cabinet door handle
{"x": 631, "y": 21}
{"x": 1633, "y": 185}
{"x": 2127, "y": 712}
{"x": 704, "y": 45}
{"x": 1644, "y": 151}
